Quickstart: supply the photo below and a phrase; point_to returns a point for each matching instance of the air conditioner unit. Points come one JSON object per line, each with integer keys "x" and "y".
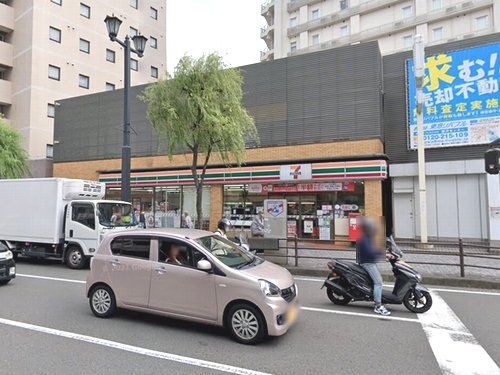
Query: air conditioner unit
{"x": 467, "y": 4}
{"x": 451, "y": 9}
{"x": 398, "y": 24}
{"x": 471, "y": 35}
{"x": 452, "y": 39}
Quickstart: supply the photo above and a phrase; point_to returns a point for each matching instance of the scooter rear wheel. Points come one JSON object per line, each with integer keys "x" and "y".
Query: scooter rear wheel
{"x": 337, "y": 299}
{"x": 415, "y": 304}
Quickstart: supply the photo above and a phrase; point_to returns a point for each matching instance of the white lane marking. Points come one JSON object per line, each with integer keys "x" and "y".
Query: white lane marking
{"x": 373, "y": 316}
{"x": 456, "y": 350}
{"x": 133, "y": 349}
{"x": 52, "y": 278}
{"x": 434, "y": 289}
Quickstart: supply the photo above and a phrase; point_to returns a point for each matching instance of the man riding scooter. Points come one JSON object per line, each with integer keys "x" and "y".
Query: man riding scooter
{"x": 368, "y": 255}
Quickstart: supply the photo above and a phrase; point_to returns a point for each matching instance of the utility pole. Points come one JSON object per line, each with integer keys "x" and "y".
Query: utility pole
{"x": 419, "y": 71}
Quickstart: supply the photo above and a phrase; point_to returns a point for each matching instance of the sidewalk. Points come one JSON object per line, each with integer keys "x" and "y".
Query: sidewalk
{"x": 442, "y": 267}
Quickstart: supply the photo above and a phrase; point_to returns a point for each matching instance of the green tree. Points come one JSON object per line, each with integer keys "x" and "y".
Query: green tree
{"x": 200, "y": 109}
{"x": 13, "y": 157}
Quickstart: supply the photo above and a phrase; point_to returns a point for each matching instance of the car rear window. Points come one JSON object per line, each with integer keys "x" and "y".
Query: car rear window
{"x": 128, "y": 246}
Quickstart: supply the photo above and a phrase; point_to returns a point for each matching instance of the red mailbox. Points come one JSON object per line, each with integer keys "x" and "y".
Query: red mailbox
{"x": 354, "y": 226}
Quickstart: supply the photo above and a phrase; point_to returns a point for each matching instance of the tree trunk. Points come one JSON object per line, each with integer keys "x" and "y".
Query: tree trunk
{"x": 199, "y": 204}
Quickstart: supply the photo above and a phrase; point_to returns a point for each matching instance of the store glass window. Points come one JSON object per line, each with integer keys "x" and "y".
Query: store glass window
{"x": 189, "y": 204}
{"x": 167, "y": 210}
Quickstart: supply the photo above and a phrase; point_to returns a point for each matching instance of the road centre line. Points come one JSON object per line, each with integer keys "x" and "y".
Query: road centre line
{"x": 456, "y": 350}
{"x": 132, "y": 349}
{"x": 319, "y": 280}
{"x": 364, "y": 315}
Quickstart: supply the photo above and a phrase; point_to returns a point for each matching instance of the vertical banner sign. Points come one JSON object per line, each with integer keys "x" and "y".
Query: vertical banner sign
{"x": 461, "y": 98}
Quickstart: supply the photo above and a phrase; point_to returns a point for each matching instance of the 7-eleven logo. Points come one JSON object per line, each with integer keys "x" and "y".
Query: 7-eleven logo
{"x": 295, "y": 171}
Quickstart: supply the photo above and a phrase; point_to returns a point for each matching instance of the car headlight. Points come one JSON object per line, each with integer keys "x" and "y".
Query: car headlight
{"x": 8, "y": 255}
{"x": 269, "y": 289}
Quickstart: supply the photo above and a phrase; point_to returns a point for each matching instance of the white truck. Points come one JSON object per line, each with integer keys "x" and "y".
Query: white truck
{"x": 59, "y": 217}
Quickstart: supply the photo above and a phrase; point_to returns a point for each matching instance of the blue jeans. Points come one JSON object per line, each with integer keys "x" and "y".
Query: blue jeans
{"x": 374, "y": 273}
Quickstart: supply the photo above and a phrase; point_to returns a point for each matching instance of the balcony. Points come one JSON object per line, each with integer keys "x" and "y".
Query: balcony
{"x": 267, "y": 8}
{"x": 6, "y": 18}
{"x": 445, "y": 12}
{"x": 5, "y": 54}
{"x": 404, "y": 24}
{"x": 267, "y": 54}
{"x": 293, "y": 5}
{"x": 266, "y": 31}
{"x": 5, "y": 92}
{"x": 339, "y": 16}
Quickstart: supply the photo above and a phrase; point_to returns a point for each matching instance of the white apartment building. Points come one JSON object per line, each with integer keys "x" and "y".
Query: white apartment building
{"x": 55, "y": 49}
{"x": 301, "y": 26}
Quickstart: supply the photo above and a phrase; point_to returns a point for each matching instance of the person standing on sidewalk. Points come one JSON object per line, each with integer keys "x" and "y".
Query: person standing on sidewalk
{"x": 368, "y": 255}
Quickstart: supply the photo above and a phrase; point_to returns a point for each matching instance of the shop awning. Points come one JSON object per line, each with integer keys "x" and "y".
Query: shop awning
{"x": 327, "y": 171}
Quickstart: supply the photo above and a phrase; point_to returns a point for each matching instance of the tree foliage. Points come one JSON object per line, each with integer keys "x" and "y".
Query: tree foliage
{"x": 201, "y": 109}
{"x": 13, "y": 157}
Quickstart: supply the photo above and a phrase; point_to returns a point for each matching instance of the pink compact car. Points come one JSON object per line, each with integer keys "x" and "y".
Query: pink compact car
{"x": 193, "y": 275}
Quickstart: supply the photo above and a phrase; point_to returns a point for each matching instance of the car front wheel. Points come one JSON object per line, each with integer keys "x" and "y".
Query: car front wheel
{"x": 102, "y": 301}
{"x": 246, "y": 324}
{"x": 75, "y": 259}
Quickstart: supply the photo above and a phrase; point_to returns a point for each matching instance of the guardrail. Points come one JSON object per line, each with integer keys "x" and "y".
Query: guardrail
{"x": 302, "y": 248}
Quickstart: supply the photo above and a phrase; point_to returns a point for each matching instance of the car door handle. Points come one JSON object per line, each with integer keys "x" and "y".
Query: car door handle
{"x": 161, "y": 270}
{"x": 114, "y": 262}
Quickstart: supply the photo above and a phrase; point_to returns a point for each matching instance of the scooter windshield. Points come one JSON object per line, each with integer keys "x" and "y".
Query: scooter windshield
{"x": 393, "y": 248}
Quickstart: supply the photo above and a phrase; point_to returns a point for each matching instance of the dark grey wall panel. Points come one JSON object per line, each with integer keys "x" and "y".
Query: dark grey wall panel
{"x": 317, "y": 97}
{"x": 395, "y": 111}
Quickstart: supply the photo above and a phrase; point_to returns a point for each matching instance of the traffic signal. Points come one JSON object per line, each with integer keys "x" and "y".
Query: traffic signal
{"x": 492, "y": 161}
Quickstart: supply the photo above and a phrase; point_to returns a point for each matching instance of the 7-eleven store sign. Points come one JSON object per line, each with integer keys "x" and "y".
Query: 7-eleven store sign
{"x": 330, "y": 171}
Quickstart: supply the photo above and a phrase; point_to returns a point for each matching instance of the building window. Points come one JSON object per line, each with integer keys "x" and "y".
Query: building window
{"x": 153, "y": 13}
{"x": 49, "y": 151}
{"x": 110, "y": 55}
{"x": 54, "y": 34}
{"x": 344, "y": 30}
{"x": 482, "y": 23}
{"x": 84, "y": 45}
{"x": 293, "y": 47}
{"x": 293, "y": 21}
{"x": 51, "y": 110}
{"x": 154, "y": 72}
{"x": 408, "y": 41}
{"x": 83, "y": 81}
{"x": 437, "y": 33}
{"x": 133, "y": 31}
{"x": 84, "y": 10}
{"x": 134, "y": 64}
{"x": 153, "y": 42}
{"x": 437, "y": 4}
{"x": 344, "y": 4}
{"x": 407, "y": 11}
{"x": 134, "y": 3}
{"x": 315, "y": 39}
{"x": 58, "y": 2}
{"x": 110, "y": 86}
{"x": 315, "y": 14}
{"x": 54, "y": 72}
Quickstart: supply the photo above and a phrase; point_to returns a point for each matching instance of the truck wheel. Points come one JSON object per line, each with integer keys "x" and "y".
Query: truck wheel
{"x": 75, "y": 259}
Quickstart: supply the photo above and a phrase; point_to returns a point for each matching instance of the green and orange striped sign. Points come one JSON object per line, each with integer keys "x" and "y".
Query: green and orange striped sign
{"x": 337, "y": 171}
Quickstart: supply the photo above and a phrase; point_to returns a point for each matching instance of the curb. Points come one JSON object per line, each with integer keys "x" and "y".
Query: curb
{"x": 430, "y": 279}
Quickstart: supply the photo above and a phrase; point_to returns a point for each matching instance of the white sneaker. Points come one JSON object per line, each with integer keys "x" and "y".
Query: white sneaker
{"x": 381, "y": 310}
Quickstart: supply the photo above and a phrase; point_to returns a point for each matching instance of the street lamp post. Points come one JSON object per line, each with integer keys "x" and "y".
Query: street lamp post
{"x": 113, "y": 25}
{"x": 419, "y": 72}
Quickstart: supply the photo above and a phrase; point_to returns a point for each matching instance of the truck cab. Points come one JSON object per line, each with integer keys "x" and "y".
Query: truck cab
{"x": 87, "y": 221}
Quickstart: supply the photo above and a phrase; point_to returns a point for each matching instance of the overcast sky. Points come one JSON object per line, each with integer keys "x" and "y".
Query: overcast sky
{"x": 230, "y": 27}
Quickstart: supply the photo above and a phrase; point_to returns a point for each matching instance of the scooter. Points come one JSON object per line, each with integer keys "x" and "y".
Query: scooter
{"x": 348, "y": 282}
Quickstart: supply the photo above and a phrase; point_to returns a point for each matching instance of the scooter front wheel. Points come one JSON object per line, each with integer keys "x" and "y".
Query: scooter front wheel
{"x": 415, "y": 304}
{"x": 337, "y": 299}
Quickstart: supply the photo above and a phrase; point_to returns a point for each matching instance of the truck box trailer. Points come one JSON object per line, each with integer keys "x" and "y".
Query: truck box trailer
{"x": 58, "y": 217}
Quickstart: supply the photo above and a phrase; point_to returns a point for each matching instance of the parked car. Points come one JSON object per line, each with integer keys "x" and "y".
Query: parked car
{"x": 7, "y": 264}
{"x": 193, "y": 275}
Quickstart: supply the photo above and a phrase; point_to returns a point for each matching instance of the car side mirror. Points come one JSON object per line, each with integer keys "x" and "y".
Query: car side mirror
{"x": 204, "y": 265}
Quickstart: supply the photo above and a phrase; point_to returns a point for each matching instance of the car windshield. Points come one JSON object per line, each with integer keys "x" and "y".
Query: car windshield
{"x": 116, "y": 214}
{"x": 226, "y": 251}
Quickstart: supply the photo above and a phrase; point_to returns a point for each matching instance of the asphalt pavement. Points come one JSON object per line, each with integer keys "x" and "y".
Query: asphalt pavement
{"x": 46, "y": 327}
